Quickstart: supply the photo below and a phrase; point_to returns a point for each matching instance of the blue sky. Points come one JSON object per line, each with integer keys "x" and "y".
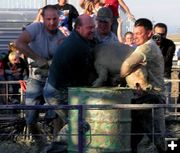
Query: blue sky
{"x": 167, "y": 11}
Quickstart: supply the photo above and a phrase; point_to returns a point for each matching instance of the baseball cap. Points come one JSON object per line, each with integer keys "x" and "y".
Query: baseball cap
{"x": 104, "y": 14}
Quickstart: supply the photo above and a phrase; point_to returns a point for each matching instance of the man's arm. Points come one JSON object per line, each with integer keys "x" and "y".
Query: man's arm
{"x": 22, "y": 45}
{"x": 119, "y": 30}
{"x": 131, "y": 64}
{"x": 126, "y": 9}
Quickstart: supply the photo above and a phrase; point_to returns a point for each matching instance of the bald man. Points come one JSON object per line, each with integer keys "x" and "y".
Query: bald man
{"x": 71, "y": 64}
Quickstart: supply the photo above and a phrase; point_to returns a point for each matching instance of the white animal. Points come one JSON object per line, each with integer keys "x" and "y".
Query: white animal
{"x": 108, "y": 61}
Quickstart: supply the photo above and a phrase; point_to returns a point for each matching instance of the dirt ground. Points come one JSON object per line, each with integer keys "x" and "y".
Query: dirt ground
{"x": 17, "y": 147}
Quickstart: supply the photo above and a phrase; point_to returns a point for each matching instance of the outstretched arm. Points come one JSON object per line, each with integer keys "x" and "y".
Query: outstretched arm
{"x": 119, "y": 30}
{"x": 125, "y": 7}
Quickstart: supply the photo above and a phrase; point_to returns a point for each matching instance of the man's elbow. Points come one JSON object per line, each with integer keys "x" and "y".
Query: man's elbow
{"x": 124, "y": 70}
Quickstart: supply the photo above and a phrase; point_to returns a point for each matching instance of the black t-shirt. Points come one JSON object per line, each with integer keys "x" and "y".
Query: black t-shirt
{"x": 66, "y": 15}
{"x": 168, "y": 48}
{"x": 73, "y": 63}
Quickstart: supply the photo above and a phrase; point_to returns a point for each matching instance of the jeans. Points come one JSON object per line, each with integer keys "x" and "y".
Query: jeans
{"x": 53, "y": 96}
{"x": 34, "y": 96}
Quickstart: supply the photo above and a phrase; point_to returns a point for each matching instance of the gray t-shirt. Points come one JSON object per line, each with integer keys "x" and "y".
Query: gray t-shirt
{"x": 44, "y": 44}
{"x": 110, "y": 38}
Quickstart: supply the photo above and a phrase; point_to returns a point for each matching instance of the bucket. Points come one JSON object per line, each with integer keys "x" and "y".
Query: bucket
{"x": 106, "y": 131}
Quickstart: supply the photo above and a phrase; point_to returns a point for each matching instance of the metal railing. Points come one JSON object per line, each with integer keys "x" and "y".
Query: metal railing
{"x": 24, "y": 4}
{"x": 82, "y": 108}
{"x": 5, "y": 94}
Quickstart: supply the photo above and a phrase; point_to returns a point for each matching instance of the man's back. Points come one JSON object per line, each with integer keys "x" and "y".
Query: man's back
{"x": 72, "y": 63}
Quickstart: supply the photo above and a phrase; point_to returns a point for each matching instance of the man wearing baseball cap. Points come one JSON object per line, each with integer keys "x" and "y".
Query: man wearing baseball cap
{"x": 103, "y": 30}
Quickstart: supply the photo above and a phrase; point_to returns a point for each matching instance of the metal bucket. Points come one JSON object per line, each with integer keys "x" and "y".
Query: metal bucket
{"x": 106, "y": 131}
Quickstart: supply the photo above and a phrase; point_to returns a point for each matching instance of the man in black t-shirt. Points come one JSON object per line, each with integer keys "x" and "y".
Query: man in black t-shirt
{"x": 67, "y": 13}
{"x": 167, "y": 47}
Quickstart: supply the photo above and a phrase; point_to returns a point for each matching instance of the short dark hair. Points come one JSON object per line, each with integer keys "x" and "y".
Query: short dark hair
{"x": 161, "y": 25}
{"x": 146, "y": 23}
{"x": 52, "y": 7}
{"x": 78, "y": 22}
{"x": 128, "y": 32}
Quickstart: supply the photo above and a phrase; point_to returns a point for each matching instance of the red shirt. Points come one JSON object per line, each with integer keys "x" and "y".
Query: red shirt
{"x": 113, "y": 5}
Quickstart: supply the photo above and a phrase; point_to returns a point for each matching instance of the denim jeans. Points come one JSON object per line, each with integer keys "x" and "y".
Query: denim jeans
{"x": 53, "y": 96}
{"x": 34, "y": 96}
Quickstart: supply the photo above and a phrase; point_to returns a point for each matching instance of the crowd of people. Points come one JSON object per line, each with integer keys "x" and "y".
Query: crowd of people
{"x": 57, "y": 51}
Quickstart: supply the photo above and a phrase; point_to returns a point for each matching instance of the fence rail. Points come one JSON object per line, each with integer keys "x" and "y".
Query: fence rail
{"x": 82, "y": 108}
{"x": 24, "y": 4}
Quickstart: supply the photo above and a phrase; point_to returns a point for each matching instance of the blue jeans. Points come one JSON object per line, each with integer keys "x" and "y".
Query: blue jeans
{"x": 53, "y": 96}
{"x": 34, "y": 96}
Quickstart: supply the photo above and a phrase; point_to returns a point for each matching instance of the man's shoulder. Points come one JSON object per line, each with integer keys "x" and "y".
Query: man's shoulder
{"x": 110, "y": 38}
{"x": 35, "y": 25}
{"x": 169, "y": 42}
{"x": 76, "y": 39}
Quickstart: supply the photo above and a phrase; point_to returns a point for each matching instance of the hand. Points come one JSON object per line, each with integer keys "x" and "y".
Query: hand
{"x": 119, "y": 20}
{"x": 131, "y": 17}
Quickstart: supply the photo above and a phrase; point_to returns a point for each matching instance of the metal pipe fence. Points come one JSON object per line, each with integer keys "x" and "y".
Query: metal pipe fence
{"x": 24, "y": 4}
{"x": 82, "y": 108}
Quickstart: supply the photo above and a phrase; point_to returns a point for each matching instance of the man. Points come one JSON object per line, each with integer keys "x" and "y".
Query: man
{"x": 168, "y": 48}
{"x": 147, "y": 54}
{"x": 104, "y": 21}
{"x": 38, "y": 42}
{"x": 72, "y": 64}
{"x": 67, "y": 13}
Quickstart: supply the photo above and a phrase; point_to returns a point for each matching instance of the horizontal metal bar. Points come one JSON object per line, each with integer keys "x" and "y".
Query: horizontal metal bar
{"x": 104, "y": 107}
{"x": 172, "y": 80}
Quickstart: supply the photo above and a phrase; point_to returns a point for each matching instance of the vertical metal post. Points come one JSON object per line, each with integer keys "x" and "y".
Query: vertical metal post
{"x": 153, "y": 124}
{"x": 7, "y": 92}
{"x": 80, "y": 129}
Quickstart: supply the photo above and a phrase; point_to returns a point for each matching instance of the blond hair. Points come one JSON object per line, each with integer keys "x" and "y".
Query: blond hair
{"x": 89, "y": 7}
{"x": 12, "y": 55}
